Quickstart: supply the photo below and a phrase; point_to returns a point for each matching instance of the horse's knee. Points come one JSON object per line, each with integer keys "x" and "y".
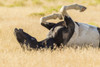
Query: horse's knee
{"x": 63, "y": 8}
{"x": 42, "y": 20}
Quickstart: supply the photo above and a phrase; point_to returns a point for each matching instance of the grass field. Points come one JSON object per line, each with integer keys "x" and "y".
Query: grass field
{"x": 25, "y": 14}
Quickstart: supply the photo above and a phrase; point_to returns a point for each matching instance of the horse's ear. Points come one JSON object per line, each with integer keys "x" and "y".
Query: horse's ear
{"x": 68, "y": 21}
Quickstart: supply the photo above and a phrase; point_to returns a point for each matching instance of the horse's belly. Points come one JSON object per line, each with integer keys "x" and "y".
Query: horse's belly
{"x": 81, "y": 42}
{"x": 87, "y": 41}
{"x": 90, "y": 37}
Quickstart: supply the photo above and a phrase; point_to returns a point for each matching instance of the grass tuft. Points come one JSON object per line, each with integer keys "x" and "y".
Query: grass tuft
{"x": 37, "y": 14}
{"x": 51, "y": 9}
{"x": 37, "y": 2}
{"x": 17, "y": 4}
{"x": 98, "y": 1}
{"x": 93, "y": 23}
{"x": 50, "y": 0}
{"x": 48, "y": 10}
{"x": 1, "y": 4}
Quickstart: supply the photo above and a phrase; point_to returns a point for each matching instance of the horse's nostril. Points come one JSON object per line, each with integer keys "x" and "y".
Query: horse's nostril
{"x": 15, "y": 29}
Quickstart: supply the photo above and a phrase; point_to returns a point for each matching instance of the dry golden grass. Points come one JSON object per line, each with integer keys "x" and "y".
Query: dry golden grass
{"x": 11, "y": 54}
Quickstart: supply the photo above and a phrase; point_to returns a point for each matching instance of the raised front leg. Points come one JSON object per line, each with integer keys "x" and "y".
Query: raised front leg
{"x": 49, "y": 25}
{"x": 52, "y": 16}
{"x": 62, "y": 13}
{"x": 73, "y": 6}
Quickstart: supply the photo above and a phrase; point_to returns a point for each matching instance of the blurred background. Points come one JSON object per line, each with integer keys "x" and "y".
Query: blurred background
{"x": 26, "y": 14}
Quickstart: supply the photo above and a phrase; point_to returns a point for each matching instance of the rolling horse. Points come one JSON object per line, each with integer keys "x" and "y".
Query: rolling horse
{"x": 66, "y": 32}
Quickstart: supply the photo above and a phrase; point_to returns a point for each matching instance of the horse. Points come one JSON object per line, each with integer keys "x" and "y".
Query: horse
{"x": 66, "y": 32}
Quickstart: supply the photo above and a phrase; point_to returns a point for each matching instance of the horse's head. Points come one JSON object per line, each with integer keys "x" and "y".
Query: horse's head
{"x": 24, "y": 38}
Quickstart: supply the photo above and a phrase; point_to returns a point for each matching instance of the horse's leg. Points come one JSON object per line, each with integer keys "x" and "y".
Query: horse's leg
{"x": 73, "y": 6}
{"x": 46, "y": 24}
{"x": 63, "y": 13}
{"x": 52, "y": 16}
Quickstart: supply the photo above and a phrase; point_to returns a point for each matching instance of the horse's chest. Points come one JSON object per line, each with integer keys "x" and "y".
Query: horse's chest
{"x": 53, "y": 32}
